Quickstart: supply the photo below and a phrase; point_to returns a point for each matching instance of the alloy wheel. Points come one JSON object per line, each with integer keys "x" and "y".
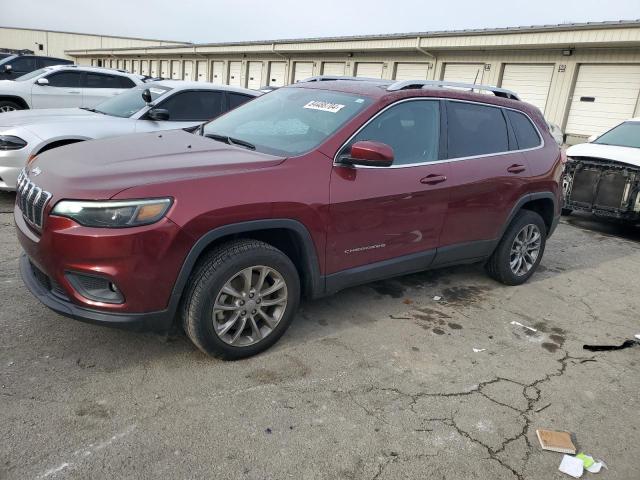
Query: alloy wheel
{"x": 249, "y": 306}
{"x": 525, "y": 249}
{"x": 7, "y": 108}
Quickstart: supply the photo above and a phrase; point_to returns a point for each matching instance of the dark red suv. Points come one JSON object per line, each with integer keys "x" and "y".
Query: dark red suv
{"x": 304, "y": 191}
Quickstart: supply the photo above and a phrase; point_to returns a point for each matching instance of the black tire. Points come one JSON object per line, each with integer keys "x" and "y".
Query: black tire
{"x": 499, "y": 264}
{"x": 566, "y": 212}
{"x": 6, "y": 105}
{"x": 205, "y": 285}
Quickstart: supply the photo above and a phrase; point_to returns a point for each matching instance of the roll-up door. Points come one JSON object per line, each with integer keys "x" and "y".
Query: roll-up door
{"x": 530, "y": 82}
{"x": 369, "y": 69}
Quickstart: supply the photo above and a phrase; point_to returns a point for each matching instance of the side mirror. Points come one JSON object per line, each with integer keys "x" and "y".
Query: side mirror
{"x": 42, "y": 81}
{"x": 369, "y": 154}
{"x": 8, "y": 68}
{"x": 158, "y": 114}
{"x": 146, "y": 96}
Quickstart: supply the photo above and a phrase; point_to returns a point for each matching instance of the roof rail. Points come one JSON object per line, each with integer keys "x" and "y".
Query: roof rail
{"x": 328, "y": 78}
{"x": 407, "y": 84}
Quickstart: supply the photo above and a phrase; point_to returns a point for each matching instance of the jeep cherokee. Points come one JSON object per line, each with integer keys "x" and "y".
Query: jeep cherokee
{"x": 304, "y": 191}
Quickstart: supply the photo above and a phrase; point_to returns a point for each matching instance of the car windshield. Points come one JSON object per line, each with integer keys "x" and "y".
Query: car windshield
{"x": 30, "y": 75}
{"x": 129, "y": 102}
{"x": 626, "y": 134}
{"x": 288, "y": 121}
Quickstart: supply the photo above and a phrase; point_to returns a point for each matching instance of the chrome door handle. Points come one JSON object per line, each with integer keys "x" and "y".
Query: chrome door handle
{"x": 515, "y": 168}
{"x": 73, "y": 91}
{"x": 433, "y": 179}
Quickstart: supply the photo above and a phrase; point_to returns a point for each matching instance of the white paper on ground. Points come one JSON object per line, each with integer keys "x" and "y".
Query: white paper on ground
{"x": 478, "y": 350}
{"x": 596, "y": 467}
{"x": 637, "y": 336}
{"x": 571, "y": 466}
{"x": 523, "y": 326}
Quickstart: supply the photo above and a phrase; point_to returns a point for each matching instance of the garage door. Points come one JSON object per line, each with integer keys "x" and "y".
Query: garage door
{"x": 604, "y": 95}
{"x": 333, "y": 68}
{"x": 254, "y": 80}
{"x": 411, "y": 71}
{"x": 371, "y": 70}
{"x": 531, "y": 82}
{"x": 188, "y": 70}
{"x": 302, "y": 70}
{"x": 135, "y": 66}
{"x": 235, "y": 73}
{"x": 277, "y": 74}
{"x": 201, "y": 71}
{"x": 164, "y": 68}
{"x": 463, "y": 72}
{"x": 176, "y": 69}
{"x": 217, "y": 73}
{"x": 144, "y": 67}
{"x": 153, "y": 68}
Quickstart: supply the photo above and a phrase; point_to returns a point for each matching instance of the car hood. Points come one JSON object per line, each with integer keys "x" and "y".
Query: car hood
{"x": 25, "y": 118}
{"x": 100, "y": 169}
{"x": 628, "y": 155}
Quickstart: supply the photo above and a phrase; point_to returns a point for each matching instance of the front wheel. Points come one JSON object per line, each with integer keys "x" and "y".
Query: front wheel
{"x": 241, "y": 299}
{"x": 520, "y": 250}
{"x": 8, "y": 106}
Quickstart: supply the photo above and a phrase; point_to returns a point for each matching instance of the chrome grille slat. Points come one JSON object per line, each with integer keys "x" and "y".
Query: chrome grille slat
{"x": 32, "y": 200}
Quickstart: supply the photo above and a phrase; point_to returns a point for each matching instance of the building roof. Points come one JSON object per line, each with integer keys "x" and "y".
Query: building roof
{"x": 94, "y": 35}
{"x": 562, "y": 27}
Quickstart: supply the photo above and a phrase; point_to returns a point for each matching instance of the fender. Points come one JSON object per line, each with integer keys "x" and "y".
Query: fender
{"x": 17, "y": 99}
{"x": 528, "y": 198}
{"x": 314, "y": 283}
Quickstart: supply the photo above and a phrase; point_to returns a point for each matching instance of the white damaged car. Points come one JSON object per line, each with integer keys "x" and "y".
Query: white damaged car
{"x": 603, "y": 176}
{"x": 162, "y": 105}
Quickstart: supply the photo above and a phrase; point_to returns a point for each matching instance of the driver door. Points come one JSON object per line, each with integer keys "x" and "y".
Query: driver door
{"x": 63, "y": 91}
{"x": 394, "y": 213}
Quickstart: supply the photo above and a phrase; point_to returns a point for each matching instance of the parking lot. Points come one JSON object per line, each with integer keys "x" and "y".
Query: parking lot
{"x": 376, "y": 382}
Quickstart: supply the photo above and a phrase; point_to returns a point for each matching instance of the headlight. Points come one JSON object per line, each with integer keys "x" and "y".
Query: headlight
{"x": 9, "y": 142}
{"x": 113, "y": 214}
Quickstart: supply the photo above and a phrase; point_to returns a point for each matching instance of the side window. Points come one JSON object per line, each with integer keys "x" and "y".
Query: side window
{"x": 125, "y": 82}
{"x": 411, "y": 129}
{"x": 236, "y": 99}
{"x": 64, "y": 79}
{"x": 49, "y": 62}
{"x": 474, "y": 129}
{"x": 526, "y": 134}
{"x": 196, "y": 105}
{"x": 23, "y": 64}
{"x": 99, "y": 80}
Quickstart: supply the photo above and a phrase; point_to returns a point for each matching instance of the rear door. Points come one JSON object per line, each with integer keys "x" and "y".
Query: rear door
{"x": 389, "y": 213}
{"x": 64, "y": 90}
{"x": 487, "y": 178}
{"x": 98, "y": 87}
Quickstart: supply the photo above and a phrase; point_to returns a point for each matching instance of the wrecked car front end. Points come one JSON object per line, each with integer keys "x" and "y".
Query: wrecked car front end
{"x": 606, "y": 188}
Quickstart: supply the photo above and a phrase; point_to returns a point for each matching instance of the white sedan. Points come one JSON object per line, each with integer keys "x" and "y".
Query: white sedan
{"x": 63, "y": 86}
{"x": 162, "y": 105}
{"x": 603, "y": 176}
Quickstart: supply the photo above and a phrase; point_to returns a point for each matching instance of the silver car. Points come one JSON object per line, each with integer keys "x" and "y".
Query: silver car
{"x": 161, "y": 105}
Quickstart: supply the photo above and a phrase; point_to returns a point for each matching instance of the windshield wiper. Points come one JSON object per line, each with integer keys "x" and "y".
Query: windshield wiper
{"x": 92, "y": 110}
{"x": 230, "y": 140}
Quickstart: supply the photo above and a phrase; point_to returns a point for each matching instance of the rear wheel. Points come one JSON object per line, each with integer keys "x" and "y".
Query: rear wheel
{"x": 520, "y": 250}
{"x": 241, "y": 299}
{"x": 8, "y": 106}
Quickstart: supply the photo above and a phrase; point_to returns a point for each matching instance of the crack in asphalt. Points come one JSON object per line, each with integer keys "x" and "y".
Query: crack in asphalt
{"x": 531, "y": 391}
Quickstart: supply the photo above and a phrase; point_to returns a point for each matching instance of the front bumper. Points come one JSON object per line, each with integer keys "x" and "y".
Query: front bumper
{"x": 36, "y": 283}
{"x": 11, "y": 164}
{"x": 143, "y": 262}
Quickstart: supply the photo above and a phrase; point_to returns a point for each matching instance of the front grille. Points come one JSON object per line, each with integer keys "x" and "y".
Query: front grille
{"x": 31, "y": 199}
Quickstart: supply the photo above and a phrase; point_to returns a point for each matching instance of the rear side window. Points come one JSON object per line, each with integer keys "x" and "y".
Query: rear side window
{"x": 526, "y": 134}
{"x": 235, "y": 100}
{"x": 64, "y": 79}
{"x": 23, "y": 64}
{"x": 196, "y": 105}
{"x": 98, "y": 80}
{"x": 475, "y": 130}
{"x": 126, "y": 82}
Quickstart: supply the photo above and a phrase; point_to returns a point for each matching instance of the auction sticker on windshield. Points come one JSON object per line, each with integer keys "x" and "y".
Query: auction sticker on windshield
{"x": 324, "y": 106}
